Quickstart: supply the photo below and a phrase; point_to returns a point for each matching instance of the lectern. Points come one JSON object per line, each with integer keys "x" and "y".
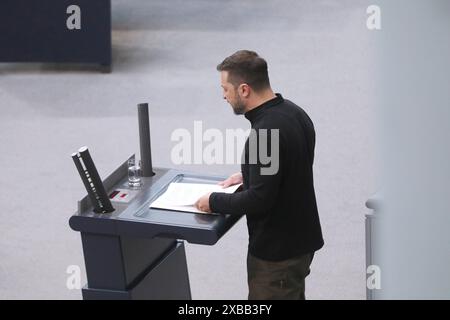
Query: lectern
{"x": 132, "y": 251}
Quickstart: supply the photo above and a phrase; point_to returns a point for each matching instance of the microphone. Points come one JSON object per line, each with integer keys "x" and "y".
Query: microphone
{"x": 144, "y": 140}
{"x": 92, "y": 182}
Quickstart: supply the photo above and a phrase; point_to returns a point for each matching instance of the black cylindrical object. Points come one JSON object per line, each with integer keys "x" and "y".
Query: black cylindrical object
{"x": 144, "y": 139}
{"x": 92, "y": 182}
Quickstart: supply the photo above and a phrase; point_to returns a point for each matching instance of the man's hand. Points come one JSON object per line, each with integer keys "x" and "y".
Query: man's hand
{"x": 202, "y": 204}
{"x": 232, "y": 180}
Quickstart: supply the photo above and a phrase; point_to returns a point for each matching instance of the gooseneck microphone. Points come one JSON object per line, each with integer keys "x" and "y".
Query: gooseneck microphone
{"x": 144, "y": 140}
{"x": 92, "y": 182}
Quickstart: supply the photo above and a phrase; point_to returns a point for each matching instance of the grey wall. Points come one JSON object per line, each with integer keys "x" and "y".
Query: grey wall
{"x": 412, "y": 238}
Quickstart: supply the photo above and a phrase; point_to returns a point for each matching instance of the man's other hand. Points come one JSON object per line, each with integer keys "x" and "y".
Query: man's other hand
{"x": 202, "y": 204}
{"x": 232, "y": 180}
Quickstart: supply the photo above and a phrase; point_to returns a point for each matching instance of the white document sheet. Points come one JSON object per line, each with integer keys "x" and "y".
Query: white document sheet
{"x": 182, "y": 196}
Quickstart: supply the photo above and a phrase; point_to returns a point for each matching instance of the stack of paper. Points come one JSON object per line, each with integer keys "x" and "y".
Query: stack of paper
{"x": 183, "y": 196}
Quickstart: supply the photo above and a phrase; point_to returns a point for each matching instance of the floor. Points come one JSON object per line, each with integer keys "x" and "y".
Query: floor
{"x": 164, "y": 53}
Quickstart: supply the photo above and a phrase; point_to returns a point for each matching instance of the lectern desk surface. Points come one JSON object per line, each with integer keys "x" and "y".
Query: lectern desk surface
{"x": 136, "y": 219}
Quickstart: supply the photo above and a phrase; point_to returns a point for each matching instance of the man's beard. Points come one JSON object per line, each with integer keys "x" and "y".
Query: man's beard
{"x": 238, "y": 106}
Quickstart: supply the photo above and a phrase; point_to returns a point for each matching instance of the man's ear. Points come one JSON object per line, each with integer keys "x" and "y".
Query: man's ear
{"x": 244, "y": 90}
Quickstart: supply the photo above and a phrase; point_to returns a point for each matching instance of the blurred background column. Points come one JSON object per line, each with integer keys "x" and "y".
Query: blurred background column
{"x": 411, "y": 231}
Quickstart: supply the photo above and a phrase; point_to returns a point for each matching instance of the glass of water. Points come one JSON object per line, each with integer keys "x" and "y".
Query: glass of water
{"x": 134, "y": 173}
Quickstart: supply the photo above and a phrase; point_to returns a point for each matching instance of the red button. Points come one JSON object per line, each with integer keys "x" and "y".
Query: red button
{"x": 113, "y": 194}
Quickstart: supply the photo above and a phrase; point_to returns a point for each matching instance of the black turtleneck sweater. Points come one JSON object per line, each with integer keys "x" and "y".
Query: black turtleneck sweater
{"x": 281, "y": 209}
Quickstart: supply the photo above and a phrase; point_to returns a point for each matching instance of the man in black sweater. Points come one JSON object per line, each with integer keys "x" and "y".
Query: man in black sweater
{"x": 278, "y": 198}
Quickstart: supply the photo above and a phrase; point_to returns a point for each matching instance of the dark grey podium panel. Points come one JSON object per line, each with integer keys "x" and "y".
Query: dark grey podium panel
{"x": 136, "y": 219}
{"x": 167, "y": 279}
{"x": 71, "y": 31}
{"x": 135, "y": 252}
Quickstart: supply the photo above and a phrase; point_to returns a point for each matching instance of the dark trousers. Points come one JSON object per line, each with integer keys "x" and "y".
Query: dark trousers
{"x": 278, "y": 280}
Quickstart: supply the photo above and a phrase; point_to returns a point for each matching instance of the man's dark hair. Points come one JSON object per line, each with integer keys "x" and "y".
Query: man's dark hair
{"x": 248, "y": 67}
